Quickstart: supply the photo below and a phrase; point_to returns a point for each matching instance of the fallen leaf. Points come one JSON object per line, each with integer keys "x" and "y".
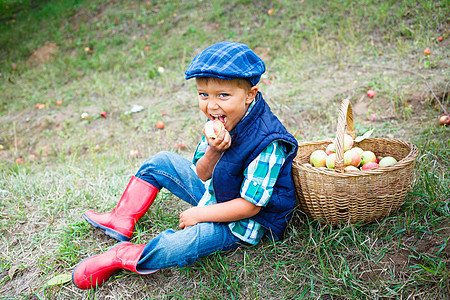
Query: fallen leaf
{"x": 59, "y": 279}
{"x": 364, "y": 136}
{"x": 12, "y": 271}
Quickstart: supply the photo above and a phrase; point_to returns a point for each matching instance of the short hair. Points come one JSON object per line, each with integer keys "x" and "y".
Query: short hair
{"x": 241, "y": 82}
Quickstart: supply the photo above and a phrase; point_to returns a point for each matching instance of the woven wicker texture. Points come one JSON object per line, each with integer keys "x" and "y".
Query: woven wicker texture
{"x": 335, "y": 196}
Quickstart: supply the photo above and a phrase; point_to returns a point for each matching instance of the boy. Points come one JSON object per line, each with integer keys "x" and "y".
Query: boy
{"x": 239, "y": 183}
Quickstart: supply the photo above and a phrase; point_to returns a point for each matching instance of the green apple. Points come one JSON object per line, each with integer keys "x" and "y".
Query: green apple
{"x": 367, "y": 156}
{"x": 318, "y": 158}
{"x": 387, "y": 161}
{"x": 331, "y": 159}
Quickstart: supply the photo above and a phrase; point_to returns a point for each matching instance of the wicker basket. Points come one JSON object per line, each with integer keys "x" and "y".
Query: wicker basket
{"x": 335, "y": 196}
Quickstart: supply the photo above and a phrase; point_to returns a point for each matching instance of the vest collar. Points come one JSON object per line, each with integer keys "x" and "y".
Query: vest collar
{"x": 245, "y": 123}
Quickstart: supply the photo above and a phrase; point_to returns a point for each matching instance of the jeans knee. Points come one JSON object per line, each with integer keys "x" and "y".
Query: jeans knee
{"x": 157, "y": 161}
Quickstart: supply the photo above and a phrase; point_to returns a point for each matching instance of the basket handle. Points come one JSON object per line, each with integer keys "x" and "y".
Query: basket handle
{"x": 345, "y": 118}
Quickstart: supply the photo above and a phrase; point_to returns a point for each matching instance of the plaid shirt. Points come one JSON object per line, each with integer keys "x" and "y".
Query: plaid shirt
{"x": 263, "y": 169}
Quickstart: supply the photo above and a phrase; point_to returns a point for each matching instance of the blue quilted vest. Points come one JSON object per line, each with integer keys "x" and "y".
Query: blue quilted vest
{"x": 251, "y": 136}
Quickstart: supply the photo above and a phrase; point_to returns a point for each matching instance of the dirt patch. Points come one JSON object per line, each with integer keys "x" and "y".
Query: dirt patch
{"x": 43, "y": 54}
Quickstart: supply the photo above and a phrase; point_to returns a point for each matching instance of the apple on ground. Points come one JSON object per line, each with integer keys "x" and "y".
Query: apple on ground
{"x": 371, "y": 93}
{"x": 352, "y": 158}
{"x": 160, "y": 125}
{"x": 370, "y": 165}
{"x": 387, "y": 161}
{"x": 367, "y": 156}
{"x": 212, "y": 129}
{"x": 318, "y": 158}
{"x": 351, "y": 168}
{"x": 444, "y": 120}
{"x": 331, "y": 159}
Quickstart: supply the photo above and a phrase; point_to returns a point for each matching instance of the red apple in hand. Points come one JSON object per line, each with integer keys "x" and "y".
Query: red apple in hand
{"x": 212, "y": 129}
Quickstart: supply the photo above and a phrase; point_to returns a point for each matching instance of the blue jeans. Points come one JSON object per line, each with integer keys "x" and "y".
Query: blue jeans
{"x": 179, "y": 248}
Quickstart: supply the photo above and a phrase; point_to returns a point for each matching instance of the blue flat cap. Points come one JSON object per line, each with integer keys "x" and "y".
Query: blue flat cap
{"x": 227, "y": 60}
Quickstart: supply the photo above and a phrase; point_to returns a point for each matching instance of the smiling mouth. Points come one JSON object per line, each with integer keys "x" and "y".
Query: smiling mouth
{"x": 221, "y": 118}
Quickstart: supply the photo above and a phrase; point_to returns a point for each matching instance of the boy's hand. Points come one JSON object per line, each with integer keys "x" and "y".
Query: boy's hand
{"x": 189, "y": 217}
{"x": 221, "y": 143}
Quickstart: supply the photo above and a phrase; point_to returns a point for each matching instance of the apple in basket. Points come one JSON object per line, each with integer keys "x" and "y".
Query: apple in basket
{"x": 318, "y": 158}
{"x": 352, "y": 158}
{"x": 331, "y": 159}
{"x": 330, "y": 149}
{"x": 367, "y": 156}
{"x": 357, "y": 149}
{"x": 212, "y": 129}
{"x": 348, "y": 142}
{"x": 351, "y": 168}
{"x": 387, "y": 161}
{"x": 370, "y": 165}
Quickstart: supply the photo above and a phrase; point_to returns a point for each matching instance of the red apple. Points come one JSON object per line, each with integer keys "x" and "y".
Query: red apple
{"x": 370, "y": 165}
{"x": 371, "y": 93}
{"x": 19, "y": 160}
{"x": 444, "y": 120}
{"x": 352, "y": 158}
{"x": 427, "y": 51}
{"x": 212, "y": 129}
{"x": 318, "y": 158}
{"x": 103, "y": 114}
{"x": 330, "y": 149}
{"x": 160, "y": 125}
{"x": 440, "y": 39}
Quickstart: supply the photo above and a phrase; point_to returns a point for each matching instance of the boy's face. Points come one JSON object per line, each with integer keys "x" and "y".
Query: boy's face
{"x": 224, "y": 100}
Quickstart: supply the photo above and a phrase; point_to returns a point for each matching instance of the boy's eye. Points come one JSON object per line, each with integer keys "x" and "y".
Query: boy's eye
{"x": 223, "y": 95}
{"x": 203, "y": 95}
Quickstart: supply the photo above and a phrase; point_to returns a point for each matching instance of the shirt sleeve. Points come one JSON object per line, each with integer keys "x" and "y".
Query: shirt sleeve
{"x": 200, "y": 151}
{"x": 262, "y": 174}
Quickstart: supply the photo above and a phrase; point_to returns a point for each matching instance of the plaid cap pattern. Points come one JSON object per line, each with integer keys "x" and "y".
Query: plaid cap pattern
{"x": 227, "y": 60}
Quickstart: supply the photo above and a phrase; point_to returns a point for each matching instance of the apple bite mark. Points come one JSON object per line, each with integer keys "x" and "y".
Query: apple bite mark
{"x": 221, "y": 118}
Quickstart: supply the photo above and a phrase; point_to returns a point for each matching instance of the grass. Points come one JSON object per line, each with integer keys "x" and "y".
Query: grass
{"x": 316, "y": 54}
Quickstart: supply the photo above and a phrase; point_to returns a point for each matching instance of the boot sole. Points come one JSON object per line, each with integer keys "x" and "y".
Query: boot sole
{"x": 108, "y": 231}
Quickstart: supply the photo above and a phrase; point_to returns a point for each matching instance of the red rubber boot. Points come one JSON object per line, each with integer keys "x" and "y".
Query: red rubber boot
{"x": 95, "y": 270}
{"x": 134, "y": 203}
